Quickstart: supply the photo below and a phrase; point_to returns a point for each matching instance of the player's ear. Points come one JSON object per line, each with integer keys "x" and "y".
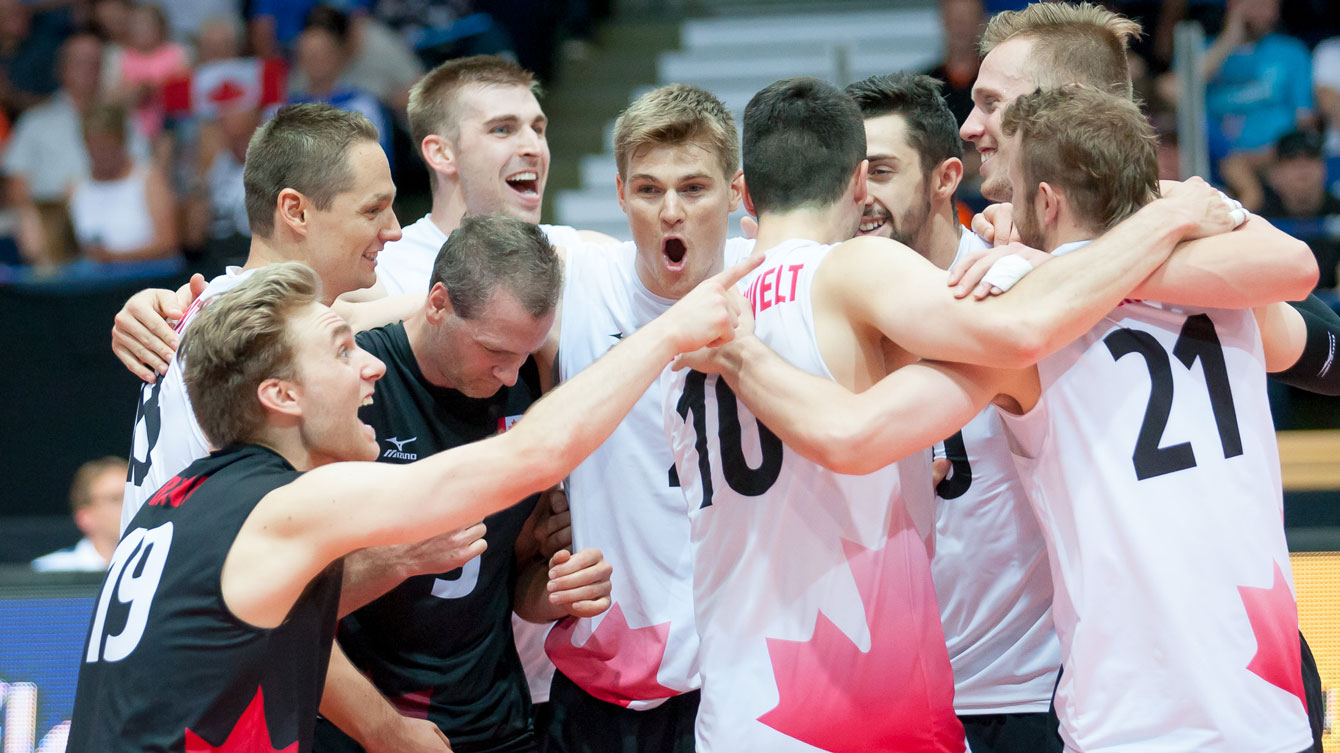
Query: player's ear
{"x": 860, "y": 182}
{"x": 291, "y": 209}
{"x": 439, "y": 154}
{"x": 745, "y": 197}
{"x": 279, "y": 396}
{"x": 945, "y": 178}
{"x": 438, "y": 305}
{"x": 736, "y": 189}
{"x": 1051, "y": 202}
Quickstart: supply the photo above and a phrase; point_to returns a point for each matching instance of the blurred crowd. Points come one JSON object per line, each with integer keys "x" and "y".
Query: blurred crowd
{"x": 1272, "y": 73}
{"x": 123, "y": 124}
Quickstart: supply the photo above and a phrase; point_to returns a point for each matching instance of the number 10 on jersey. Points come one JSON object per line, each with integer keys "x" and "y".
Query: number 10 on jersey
{"x": 735, "y": 469}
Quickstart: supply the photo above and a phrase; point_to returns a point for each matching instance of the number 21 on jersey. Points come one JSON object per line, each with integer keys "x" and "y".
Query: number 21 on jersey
{"x": 136, "y": 569}
{"x": 735, "y": 469}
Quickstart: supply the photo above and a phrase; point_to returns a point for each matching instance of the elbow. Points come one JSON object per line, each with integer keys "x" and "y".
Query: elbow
{"x": 1022, "y": 344}
{"x": 1303, "y": 265}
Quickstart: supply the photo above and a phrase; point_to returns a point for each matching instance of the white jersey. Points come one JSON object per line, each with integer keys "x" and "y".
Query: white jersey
{"x": 623, "y": 500}
{"x": 1151, "y": 464}
{"x": 991, "y": 573}
{"x": 812, "y": 590}
{"x": 167, "y": 438}
{"x": 406, "y": 265}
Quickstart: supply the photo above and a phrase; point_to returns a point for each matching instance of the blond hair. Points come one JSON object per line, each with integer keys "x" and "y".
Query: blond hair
{"x": 433, "y": 98}
{"x": 1072, "y": 44}
{"x": 238, "y": 341}
{"x": 677, "y": 114}
{"x": 1096, "y": 147}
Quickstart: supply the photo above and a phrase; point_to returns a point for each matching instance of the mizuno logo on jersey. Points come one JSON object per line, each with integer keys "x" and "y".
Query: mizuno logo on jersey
{"x": 399, "y": 452}
{"x": 506, "y": 422}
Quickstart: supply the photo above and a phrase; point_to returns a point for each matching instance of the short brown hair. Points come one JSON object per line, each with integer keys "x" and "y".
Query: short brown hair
{"x": 491, "y": 252}
{"x": 1095, "y": 146}
{"x": 432, "y": 99}
{"x": 81, "y": 485}
{"x": 304, "y": 147}
{"x": 1072, "y": 44}
{"x": 238, "y": 341}
{"x": 677, "y": 114}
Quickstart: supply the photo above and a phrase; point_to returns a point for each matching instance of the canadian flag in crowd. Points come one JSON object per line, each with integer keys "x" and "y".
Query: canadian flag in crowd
{"x": 218, "y": 87}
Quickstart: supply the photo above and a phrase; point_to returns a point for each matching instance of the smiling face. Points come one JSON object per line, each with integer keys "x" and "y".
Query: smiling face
{"x": 898, "y": 203}
{"x": 1002, "y": 78}
{"x": 333, "y": 377}
{"x": 345, "y": 238}
{"x": 678, "y": 203}
{"x": 500, "y": 151}
{"x": 481, "y": 355}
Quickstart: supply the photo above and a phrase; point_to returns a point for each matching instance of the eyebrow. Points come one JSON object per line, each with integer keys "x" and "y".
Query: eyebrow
{"x": 341, "y": 331}
{"x": 882, "y": 157}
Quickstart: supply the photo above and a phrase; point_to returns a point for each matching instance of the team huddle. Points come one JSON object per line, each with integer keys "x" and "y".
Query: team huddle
{"x": 678, "y": 493}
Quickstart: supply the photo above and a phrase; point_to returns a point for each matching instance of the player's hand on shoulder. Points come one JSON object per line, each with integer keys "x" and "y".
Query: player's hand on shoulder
{"x": 1203, "y": 208}
{"x": 409, "y": 735}
{"x": 142, "y": 338}
{"x": 553, "y": 530}
{"x": 579, "y": 584}
{"x": 995, "y": 224}
{"x": 981, "y": 272}
{"x": 709, "y": 313}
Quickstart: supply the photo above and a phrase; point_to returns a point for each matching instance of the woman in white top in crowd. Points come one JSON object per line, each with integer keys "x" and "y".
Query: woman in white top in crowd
{"x": 122, "y": 211}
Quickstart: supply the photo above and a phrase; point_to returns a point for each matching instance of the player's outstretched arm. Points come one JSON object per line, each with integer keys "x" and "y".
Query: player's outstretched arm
{"x": 298, "y": 529}
{"x": 1255, "y": 265}
{"x": 906, "y": 411}
{"x": 142, "y": 338}
{"x": 907, "y": 299}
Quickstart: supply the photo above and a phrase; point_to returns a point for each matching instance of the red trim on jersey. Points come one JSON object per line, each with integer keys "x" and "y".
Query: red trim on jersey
{"x": 250, "y": 734}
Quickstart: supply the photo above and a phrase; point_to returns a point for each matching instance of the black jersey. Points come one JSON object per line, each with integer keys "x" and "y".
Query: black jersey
{"x": 167, "y": 667}
{"x": 440, "y": 646}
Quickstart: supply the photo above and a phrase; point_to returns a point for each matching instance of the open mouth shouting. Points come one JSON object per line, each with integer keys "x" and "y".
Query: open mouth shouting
{"x": 526, "y": 184}
{"x": 673, "y": 251}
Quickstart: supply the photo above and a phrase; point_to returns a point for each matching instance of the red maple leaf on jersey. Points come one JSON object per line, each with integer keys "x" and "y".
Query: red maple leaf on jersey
{"x": 899, "y": 694}
{"x": 251, "y": 734}
{"x": 1273, "y": 614}
{"x": 618, "y": 663}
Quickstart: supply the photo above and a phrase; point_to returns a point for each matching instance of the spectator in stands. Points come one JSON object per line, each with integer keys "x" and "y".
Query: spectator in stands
{"x": 122, "y": 211}
{"x": 149, "y": 60}
{"x": 46, "y": 154}
{"x": 95, "y": 500}
{"x": 111, "y": 22}
{"x": 27, "y": 57}
{"x": 963, "y": 21}
{"x": 218, "y": 38}
{"x": 1326, "y": 80}
{"x": 1296, "y": 189}
{"x": 1259, "y": 82}
{"x": 216, "y": 213}
{"x": 323, "y": 57}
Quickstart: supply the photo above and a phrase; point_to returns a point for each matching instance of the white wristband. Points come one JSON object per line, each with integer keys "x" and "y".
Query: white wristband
{"x": 1007, "y": 271}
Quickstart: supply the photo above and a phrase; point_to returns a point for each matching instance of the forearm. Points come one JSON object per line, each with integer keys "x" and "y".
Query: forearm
{"x": 1312, "y": 337}
{"x": 1252, "y": 266}
{"x": 908, "y": 410}
{"x": 367, "y": 575}
{"x": 1064, "y": 298}
{"x": 351, "y": 702}
{"x": 366, "y": 314}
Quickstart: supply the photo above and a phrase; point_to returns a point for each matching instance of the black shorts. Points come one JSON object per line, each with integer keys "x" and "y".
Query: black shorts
{"x": 581, "y": 723}
{"x": 1013, "y": 733}
{"x": 330, "y": 739}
